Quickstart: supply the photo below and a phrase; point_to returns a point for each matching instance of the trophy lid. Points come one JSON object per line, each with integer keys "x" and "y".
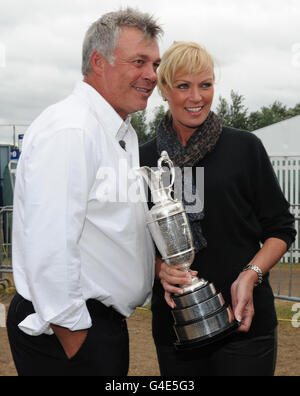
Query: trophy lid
{"x": 153, "y": 178}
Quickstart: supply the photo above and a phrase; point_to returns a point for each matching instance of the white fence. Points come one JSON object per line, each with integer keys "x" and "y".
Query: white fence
{"x": 287, "y": 170}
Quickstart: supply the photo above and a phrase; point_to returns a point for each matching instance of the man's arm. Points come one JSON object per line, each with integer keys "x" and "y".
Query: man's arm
{"x": 56, "y": 192}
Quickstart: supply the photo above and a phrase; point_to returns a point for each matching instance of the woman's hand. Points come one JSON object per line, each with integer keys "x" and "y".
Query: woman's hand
{"x": 171, "y": 278}
{"x": 242, "y": 289}
{"x": 242, "y": 299}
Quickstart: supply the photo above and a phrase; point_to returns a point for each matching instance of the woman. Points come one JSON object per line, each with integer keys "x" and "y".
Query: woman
{"x": 244, "y": 208}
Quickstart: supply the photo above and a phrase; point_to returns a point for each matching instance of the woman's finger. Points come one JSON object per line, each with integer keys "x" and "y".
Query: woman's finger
{"x": 170, "y": 288}
{"x": 174, "y": 275}
{"x": 169, "y": 300}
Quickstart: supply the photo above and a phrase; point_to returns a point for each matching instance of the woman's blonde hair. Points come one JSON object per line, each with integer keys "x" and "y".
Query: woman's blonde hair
{"x": 183, "y": 57}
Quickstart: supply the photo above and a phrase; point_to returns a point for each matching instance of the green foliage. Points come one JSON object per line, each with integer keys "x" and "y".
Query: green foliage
{"x": 139, "y": 123}
{"x": 147, "y": 131}
{"x": 6, "y": 292}
{"x": 235, "y": 114}
{"x": 284, "y": 309}
{"x": 159, "y": 113}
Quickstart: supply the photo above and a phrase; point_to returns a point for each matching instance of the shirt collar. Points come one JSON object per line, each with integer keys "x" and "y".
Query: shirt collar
{"x": 123, "y": 129}
{"x": 104, "y": 112}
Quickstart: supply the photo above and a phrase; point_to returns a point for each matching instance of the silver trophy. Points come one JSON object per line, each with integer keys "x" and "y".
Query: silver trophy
{"x": 201, "y": 315}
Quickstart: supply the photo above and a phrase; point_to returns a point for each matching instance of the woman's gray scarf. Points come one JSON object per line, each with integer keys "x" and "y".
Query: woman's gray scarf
{"x": 203, "y": 141}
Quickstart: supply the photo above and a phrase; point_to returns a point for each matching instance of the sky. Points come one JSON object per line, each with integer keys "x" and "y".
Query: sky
{"x": 255, "y": 44}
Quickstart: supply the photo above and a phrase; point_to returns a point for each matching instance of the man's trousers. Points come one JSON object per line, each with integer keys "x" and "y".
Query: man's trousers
{"x": 105, "y": 352}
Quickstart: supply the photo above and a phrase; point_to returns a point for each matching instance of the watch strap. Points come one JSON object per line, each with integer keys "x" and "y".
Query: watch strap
{"x": 257, "y": 270}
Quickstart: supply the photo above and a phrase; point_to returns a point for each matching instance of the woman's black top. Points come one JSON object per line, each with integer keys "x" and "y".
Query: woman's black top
{"x": 243, "y": 206}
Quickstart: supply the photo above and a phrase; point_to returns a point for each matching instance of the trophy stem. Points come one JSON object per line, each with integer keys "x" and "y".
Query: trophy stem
{"x": 195, "y": 285}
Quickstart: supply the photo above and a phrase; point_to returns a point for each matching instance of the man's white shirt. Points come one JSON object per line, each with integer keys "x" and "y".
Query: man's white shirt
{"x": 70, "y": 243}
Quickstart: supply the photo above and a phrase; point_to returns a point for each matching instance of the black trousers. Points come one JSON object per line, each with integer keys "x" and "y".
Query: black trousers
{"x": 105, "y": 352}
{"x": 239, "y": 355}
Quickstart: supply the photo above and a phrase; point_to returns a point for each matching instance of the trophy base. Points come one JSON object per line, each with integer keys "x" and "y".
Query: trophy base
{"x": 207, "y": 339}
{"x": 202, "y": 317}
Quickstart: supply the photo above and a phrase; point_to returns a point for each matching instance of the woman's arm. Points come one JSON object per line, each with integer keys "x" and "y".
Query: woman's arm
{"x": 242, "y": 289}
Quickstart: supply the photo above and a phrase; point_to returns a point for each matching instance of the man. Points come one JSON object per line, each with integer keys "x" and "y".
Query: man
{"x": 82, "y": 263}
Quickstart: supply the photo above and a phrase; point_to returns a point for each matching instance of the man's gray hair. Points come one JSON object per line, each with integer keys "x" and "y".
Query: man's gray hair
{"x": 104, "y": 33}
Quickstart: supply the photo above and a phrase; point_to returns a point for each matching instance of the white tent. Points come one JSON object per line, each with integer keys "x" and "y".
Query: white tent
{"x": 281, "y": 139}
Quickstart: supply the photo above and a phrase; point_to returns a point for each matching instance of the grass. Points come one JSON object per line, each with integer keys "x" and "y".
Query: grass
{"x": 7, "y": 292}
{"x": 285, "y": 311}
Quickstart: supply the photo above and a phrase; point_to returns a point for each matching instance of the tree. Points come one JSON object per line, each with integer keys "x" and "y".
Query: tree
{"x": 270, "y": 115}
{"x": 159, "y": 113}
{"x": 294, "y": 111}
{"x": 255, "y": 121}
{"x": 274, "y": 113}
{"x": 147, "y": 131}
{"x": 234, "y": 114}
{"x": 223, "y": 111}
{"x": 139, "y": 123}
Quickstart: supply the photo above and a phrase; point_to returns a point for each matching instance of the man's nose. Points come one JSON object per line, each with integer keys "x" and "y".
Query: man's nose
{"x": 150, "y": 73}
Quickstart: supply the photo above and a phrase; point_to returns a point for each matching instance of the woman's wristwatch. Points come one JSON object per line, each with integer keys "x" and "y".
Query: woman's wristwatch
{"x": 257, "y": 270}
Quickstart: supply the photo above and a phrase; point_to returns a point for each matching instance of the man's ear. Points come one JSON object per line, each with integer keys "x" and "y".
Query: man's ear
{"x": 97, "y": 63}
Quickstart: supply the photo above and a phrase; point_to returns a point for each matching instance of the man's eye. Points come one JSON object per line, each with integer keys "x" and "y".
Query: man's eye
{"x": 139, "y": 61}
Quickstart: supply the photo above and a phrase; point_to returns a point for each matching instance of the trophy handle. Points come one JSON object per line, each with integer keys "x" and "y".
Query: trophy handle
{"x": 166, "y": 159}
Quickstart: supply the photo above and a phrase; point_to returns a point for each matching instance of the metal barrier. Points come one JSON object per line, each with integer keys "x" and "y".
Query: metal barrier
{"x": 5, "y": 254}
{"x": 287, "y": 284}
